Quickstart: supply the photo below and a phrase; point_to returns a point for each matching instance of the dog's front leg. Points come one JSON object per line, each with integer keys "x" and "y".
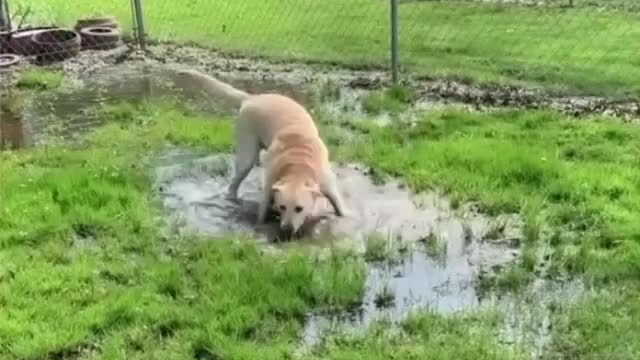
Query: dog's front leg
{"x": 265, "y": 201}
{"x": 329, "y": 187}
{"x": 247, "y": 151}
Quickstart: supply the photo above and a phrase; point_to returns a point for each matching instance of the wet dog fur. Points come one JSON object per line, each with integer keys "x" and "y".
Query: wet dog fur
{"x": 297, "y": 169}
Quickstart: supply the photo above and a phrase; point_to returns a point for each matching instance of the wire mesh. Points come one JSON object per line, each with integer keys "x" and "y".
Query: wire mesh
{"x": 580, "y": 47}
{"x": 559, "y": 44}
{"x": 583, "y": 47}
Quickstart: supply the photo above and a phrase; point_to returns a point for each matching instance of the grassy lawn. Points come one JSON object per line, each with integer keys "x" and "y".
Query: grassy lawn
{"x": 578, "y": 50}
{"x": 574, "y": 182}
{"x": 578, "y": 177}
{"x": 86, "y": 273}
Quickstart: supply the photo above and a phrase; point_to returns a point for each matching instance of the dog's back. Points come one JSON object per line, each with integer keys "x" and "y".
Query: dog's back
{"x": 273, "y": 113}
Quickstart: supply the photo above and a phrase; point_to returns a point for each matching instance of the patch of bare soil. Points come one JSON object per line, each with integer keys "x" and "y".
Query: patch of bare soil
{"x": 255, "y": 75}
{"x": 429, "y": 90}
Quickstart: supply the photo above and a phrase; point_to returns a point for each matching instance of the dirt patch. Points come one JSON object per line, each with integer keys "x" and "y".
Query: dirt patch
{"x": 507, "y": 96}
{"x": 296, "y": 80}
{"x": 623, "y": 5}
{"x": 253, "y": 71}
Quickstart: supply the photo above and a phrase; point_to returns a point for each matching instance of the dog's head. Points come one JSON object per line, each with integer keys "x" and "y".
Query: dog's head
{"x": 295, "y": 201}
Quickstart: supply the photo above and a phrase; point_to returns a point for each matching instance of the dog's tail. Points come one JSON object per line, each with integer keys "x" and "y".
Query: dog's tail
{"x": 213, "y": 87}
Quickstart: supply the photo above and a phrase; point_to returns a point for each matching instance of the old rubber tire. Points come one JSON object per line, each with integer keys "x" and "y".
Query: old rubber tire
{"x": 7, "y": 60}
{"x": 99, "y": 38}
{"x": 21, "y": 41}
{"x": 57, "y": 44}
{"x": 93, "y": 22}
{"x": 5, "y": 40}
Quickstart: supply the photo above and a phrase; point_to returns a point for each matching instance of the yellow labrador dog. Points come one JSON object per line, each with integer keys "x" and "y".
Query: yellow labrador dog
{"x": 297, "y": 169}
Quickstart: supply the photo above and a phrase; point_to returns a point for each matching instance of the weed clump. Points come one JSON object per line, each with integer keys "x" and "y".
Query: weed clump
{"x": 394, "y": 100}
{"x": 37, "y": 79}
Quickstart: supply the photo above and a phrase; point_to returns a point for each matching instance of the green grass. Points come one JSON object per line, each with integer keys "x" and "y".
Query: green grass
{"x": 84, "y": 267}
{"x": 424, "y": 335}
{"x": 393, "y": 100}
{"x": 573, "y": 181}
{"x": 435, "y": 247}
{"x": 579, "y": 50}
{"x": 596, "y": 327}
{"x": 37, "y": 79}
{"x": 86, "y": 272}
{"x": 583, "y": 173}
{"x": 385, "y": 297}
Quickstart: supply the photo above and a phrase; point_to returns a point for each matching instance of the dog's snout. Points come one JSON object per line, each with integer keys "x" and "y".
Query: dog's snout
{"x": 287, "y": 229}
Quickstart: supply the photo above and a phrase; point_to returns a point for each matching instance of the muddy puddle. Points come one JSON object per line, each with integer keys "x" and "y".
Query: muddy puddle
{"x": 35, "y": 118}
{"x": 70, "y": 110}
{"x": 436, "y": 253}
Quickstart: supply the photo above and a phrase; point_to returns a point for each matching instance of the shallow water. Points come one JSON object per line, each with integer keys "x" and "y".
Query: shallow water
{"x": 69, "y": 111}
{"x": 192, "y": 189}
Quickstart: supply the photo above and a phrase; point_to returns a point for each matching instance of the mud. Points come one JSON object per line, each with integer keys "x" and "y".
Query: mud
{"x": 430, "y": 91}
{"x": 193, "y": 189}
{"x": 138, "y": 74}
{"x": 415, "y": 273}
{"x": 440, "y": 252}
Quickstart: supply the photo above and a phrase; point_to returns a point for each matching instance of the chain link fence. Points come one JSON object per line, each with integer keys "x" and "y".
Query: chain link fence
{"x": 577, "y": 47}
{"x": 583, "y": 47}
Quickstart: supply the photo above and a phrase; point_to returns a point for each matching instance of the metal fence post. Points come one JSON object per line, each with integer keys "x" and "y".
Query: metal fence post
{"x": 5, "y": 17}
{"x": 394, "y": 41}
{"x": 139, "y": 19}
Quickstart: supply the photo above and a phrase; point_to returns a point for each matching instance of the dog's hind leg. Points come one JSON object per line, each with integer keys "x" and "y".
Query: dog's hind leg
{"x": 247, "y": 152}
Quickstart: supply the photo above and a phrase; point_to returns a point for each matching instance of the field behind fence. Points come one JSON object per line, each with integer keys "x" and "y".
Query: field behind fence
{"x": 590, "y": 48}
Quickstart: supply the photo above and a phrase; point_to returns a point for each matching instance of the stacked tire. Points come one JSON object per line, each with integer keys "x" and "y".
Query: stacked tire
{"x": 21, "y": 41}
{"x": 49, "y": 43}
{"x": 8, "y": 60}
{"x": 57, "y": 44}
{"x": 98, "y": 33}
